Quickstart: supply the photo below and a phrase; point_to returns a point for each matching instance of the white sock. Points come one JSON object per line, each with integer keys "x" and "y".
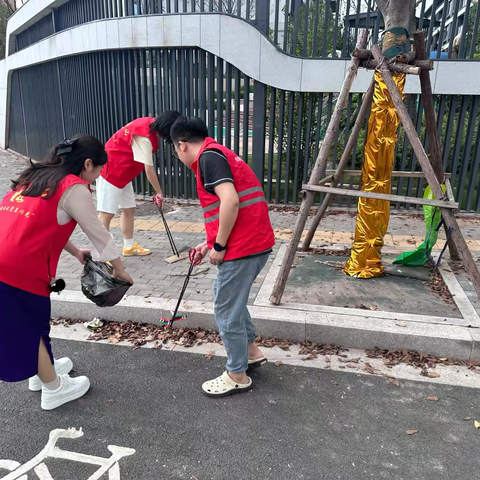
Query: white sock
{"x": 128, "y": 242}
{"x": 53, "y": 385}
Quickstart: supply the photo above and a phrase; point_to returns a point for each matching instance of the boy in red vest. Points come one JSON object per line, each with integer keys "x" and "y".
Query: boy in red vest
{"x": 239, "y": 237}
{"x": 130, "y": 150}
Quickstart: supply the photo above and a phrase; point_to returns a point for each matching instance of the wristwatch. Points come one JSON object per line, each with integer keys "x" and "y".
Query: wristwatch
{"x": 219, "y": 248}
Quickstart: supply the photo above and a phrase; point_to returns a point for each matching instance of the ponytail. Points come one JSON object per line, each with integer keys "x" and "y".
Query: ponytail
{"x": 174, "y": 127}
{"x": 163, "y": 124}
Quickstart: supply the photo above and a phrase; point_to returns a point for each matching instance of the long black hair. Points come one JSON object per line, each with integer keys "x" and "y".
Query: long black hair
{"x": 67, "y": 158}
{"x": 174, "y": 127}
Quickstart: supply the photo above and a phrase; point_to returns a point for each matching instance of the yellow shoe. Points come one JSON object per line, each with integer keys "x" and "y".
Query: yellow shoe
{"x": 136, "y": 250}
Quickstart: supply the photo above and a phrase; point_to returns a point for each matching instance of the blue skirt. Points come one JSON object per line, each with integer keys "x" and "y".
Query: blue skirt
{"x": 24, "y": 320}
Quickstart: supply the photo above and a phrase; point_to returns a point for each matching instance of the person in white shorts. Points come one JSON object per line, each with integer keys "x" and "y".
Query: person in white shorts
{"x": 130, "y": 151}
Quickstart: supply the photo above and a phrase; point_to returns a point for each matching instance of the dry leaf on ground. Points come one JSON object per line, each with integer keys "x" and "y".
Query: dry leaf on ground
{"x": 394, "y": 381}
{"x": 432, "y": 399}
{"x": 209, "y": 355}
{"x": 278, "y": 362}
{"x": 411, "y": 432}
{"x": 138, "y": 334}
{"x": 477, "y": 424}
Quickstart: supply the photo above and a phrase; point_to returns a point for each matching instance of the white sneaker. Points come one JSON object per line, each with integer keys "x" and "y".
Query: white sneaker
{"x": 62, "y": 366}
{"x": 70, "y": 389}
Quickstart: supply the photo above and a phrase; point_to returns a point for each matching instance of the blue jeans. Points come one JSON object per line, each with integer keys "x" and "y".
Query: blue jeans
{"x": 231, "y": 289}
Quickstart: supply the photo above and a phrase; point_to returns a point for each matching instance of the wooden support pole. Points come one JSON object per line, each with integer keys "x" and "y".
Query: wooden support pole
{"x": 406, "y": 57}
{"x": 448, "y": 216}
{"x": 325, "y": 180}
{"x": 429, "y": 108}
{"x": 395, "y": 173}
{"x": 380, "y": 196}
{"x": 431, "y": 124}
{"x": 421, "y": 65}
{"x": 317, "y": 172}
{"x": 352, "y": 140}
{"x": 394, "y": 67}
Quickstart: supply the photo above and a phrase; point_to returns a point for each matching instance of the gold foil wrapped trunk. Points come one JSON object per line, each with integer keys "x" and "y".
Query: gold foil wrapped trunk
{"x": 372, "y": 217}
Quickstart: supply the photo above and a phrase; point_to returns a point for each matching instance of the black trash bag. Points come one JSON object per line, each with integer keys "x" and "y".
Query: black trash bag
{"x": 99, "y": 284}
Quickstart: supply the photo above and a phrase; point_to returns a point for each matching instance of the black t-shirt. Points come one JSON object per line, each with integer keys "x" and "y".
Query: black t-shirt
{"x": 214, "y": 170}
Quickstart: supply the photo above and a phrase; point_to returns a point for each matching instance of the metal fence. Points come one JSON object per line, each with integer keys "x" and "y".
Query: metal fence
{"x": 307, "y": 28}
{"x": 97, "y": 93}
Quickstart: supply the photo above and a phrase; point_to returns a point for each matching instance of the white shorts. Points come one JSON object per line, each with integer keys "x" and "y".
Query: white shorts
{"x": 110, "y": 198}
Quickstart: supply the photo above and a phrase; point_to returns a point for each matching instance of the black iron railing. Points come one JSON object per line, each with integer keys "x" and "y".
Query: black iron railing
{"x": 97, "y": 93}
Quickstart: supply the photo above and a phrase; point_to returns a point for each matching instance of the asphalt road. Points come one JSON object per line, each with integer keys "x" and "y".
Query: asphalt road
{"x": 297, "y": 423}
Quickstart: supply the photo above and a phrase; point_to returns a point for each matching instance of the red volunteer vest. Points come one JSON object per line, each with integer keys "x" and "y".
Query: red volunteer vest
{"x": 31, "y": 238}
{"x": 121, "y": 168}
{"x": 253, "y": 231}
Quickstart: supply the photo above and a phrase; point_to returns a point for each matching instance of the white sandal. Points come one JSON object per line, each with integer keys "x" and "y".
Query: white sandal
{"x": 224, "y": 386}
{"x": 256, "y": 363}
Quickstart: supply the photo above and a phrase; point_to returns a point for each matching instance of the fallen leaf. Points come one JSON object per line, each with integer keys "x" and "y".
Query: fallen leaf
{"x": 467, "y": 418}
{"x": 401, "y": 324}
{"x": 200, "y": 334}
{"x": 209, "y": 355}
{"x": 113, "y": 339}
{"x": 432, "y": 399}
{"x": 278, "y": 362}
{"x": 411, "y": 432}
{"x": 477, "y": 424}
{"x": 433, "y": 374}
{"x": 360, "y": 306}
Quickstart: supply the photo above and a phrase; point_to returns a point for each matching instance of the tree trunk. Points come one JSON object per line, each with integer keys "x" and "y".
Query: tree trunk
{"x": 397, "y": 15}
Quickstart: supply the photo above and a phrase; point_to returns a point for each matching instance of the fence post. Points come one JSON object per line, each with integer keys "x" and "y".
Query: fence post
{"x": 262, "y": 11}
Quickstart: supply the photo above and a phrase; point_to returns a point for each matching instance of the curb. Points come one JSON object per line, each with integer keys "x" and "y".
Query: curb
{"x": 355, "y": 331}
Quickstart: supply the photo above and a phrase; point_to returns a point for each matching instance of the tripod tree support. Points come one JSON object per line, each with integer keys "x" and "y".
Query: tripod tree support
{"x": 352, "y": 140}
{"x": 448, "y": 216}
{"x": 317, "y": 172}
{"x": 431, "y": 125}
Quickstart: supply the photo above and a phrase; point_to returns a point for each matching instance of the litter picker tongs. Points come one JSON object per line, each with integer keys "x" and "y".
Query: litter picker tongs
{"x": 175, "y": 317}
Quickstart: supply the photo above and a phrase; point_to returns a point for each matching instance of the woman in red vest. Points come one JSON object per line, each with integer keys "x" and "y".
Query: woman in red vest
{"x": 130, "y": 151}
{"x": 37, "y": 218}
{"x": 239, "y": 237}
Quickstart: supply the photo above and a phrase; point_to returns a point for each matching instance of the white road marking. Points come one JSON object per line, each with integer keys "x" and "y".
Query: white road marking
{"x": 42, "y": 472}
{"x": 11, "y": 465}
{"x": 110, "y": 465}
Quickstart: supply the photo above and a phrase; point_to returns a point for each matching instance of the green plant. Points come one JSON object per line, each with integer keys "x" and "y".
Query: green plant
{"x": 470, "y": 34}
